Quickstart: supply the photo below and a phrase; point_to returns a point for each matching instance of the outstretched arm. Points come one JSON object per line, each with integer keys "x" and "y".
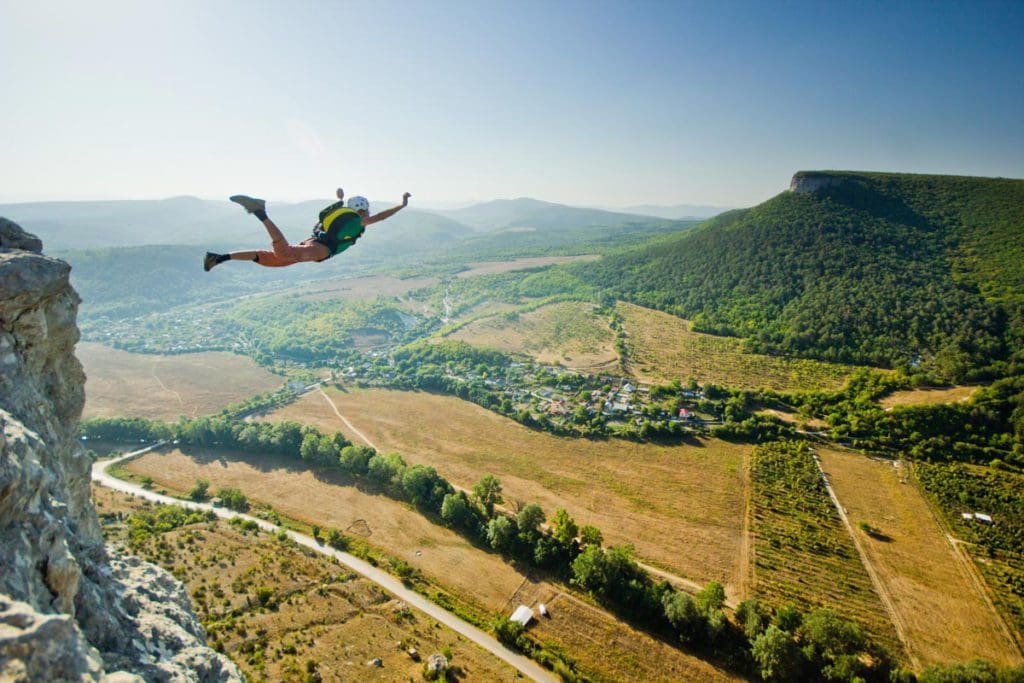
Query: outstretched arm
{"x": 387, "y": 213}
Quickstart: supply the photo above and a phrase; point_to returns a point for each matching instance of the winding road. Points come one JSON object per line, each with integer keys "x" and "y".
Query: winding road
{"x": 523, "y": 664}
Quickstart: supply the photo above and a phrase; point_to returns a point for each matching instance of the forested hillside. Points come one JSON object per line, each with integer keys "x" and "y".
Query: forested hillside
{"x": 893, "y": 270}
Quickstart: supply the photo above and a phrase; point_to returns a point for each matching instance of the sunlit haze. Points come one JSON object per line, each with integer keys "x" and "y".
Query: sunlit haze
{"x": 589, "y": 103}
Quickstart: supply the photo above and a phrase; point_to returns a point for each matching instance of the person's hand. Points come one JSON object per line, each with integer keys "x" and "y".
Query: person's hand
{"x": 339, "y": 193}
{"x": 405, "y": 199}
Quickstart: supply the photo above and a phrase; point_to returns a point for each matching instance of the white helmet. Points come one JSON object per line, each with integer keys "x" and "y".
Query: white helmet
{"x": 358, "y": 204}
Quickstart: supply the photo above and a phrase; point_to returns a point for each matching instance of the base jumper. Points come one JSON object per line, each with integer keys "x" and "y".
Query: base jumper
{"x": 338, "y": 229}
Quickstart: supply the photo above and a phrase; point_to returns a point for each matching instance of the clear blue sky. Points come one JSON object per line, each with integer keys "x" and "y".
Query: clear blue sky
{"x": 599, "y": 103}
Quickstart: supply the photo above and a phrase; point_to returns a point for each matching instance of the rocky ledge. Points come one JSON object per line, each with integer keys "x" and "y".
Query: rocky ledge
{"x": 811, "y": 181}
{"x": 70, "y": 610}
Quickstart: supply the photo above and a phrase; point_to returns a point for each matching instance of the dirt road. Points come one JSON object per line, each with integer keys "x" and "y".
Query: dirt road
{"x": 879, "y": 586}
{"x": 525, "y": 665}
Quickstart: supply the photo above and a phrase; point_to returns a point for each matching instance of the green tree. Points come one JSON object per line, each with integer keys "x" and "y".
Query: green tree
{"x": 682, "y": 612}
{"x": 455, "y": 509}
{"x": 589, "y": 571}
{"x": 789, "y": 618}
{"x": 529, "y": 519}
{"x": 488, "y": 492}
{"x": 777, "y": 655}
{"x": 337, "y": 540}
{"x": 386, "y": 470}
{"x": 507, "y": 631}
{"x": 591, "y": 535}
{"x": 549, "y": 552}
{"x": 355, "y": 459}
{"x": 752, "y": 617}
{"x": 424, "y": 486}
{"x": 233, "y": 498}
{"x": 830, "y": 634}
{"x": 199, "y": 491}
{"x": 500, "y": 532}
{"x": 711, "y": 598}
{"x": 564, "y": 528}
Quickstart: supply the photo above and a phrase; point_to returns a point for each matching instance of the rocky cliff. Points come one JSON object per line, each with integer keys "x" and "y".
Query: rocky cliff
{"x": 69, "y": 609}
{"x": 809, "y": 181}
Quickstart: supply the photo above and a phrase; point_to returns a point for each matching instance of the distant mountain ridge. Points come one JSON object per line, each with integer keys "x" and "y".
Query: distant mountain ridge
{"x": 525, "y": 213}
{"x": 193, "y": 221}
{"x": 674, "y": 211}
{"x": 898, "y": 270}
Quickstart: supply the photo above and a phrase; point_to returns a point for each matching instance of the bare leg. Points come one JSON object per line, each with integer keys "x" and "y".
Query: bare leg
{"x": 283, "y": 254}
{"x": 275, "y": 233}
{"x": 243, "y": 255}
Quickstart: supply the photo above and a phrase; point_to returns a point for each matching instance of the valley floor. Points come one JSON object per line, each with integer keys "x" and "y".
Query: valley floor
{"x": 604, "y": 648}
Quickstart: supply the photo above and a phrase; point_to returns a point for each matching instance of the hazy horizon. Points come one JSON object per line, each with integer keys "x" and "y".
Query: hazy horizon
{"x": 426, "y": 205}
{"x": 586, "y": 104}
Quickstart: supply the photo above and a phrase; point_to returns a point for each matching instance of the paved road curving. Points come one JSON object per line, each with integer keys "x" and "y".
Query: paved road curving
{"x": 524, "y": 664}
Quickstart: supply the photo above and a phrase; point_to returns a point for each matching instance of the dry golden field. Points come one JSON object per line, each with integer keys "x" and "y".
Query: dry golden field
{"x": 122, "y": 384}
{"x": 601, "y": 644}
{"x": 793, "y": 418}
{"x": 921, "y": 397}
{"x": 662, "y": 348}
{"x": 328, "y": 501}
{"x": 323, "y": 613}
{"x": 567, "y": 334}
{"x": 944, "y": 615}
{"x": 491, "y": 267}
{"x": 677, "y": 504}
{"x": 359, "y": 288}
{"x": 604, "y": 648}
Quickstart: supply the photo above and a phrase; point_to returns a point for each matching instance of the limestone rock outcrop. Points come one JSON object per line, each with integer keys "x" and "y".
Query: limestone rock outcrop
{"x": 69, "y": 610}
{"x": 809, "y": 181}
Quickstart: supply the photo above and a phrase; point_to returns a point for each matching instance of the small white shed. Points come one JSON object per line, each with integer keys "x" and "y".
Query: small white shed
{"x": 523, "y": 615}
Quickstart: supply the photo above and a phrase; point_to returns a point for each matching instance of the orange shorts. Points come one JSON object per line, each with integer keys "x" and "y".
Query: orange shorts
{"x": 285, "y": 254}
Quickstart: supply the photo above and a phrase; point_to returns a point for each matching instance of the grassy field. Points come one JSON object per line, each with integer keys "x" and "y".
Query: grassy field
{"x": 327, "y": 501}
{"x": 599, "y": 644}
{"x": 944, "y": 615}
{"x": 686, "y": 523}
{"x": 604, "y": 648}
{"x": 662, "y": 348}
{"x": 793, "y": 418}
{"x": 361, "y": 288}
{"x": 491, "y": 267}
{"x": 122, "y": 384}
{"x": 930, "y": 396}
{"x": 567, "y": 334}
{"x": 315, "y": 610}
{"x": 803, "y": 552}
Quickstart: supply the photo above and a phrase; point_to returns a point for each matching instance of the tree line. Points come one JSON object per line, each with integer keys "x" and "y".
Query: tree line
{"x": 819, "y": 643}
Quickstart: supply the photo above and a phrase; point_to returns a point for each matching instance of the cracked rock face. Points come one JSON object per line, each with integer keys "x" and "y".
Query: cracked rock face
{"x": 807, "y": 181}
{"x": 68, "y": 610}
